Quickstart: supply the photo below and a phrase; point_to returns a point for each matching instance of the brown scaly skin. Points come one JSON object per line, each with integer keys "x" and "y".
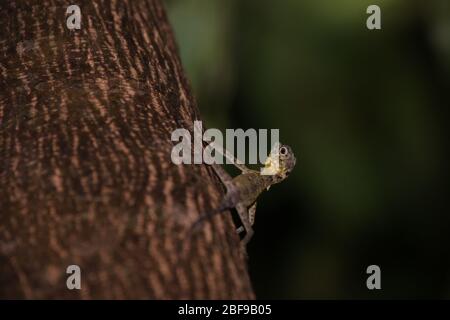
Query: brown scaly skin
{"x": 244, "y": 189}
{"x": 251, "y": 184}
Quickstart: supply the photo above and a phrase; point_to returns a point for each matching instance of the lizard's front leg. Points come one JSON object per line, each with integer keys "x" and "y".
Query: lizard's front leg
{"x": 226, "y": 179}
{"x": 231, "y": 157}
{"x": 241, "y": 167}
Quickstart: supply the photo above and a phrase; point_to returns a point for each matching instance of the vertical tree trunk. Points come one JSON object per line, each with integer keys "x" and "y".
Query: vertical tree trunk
{"x": 86, "y": 177}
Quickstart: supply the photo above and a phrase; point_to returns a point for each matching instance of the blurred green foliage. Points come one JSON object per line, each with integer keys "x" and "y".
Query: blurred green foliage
{"x": 366, "y": 113}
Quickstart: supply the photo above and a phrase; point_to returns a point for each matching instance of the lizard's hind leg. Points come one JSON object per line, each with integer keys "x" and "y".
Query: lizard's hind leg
{"x": 243, "y": 215}
{"x": 251, "y": 218}
{"x": 252, "y": 214}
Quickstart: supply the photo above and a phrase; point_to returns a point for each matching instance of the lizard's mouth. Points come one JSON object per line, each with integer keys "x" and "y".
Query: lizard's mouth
{"x": 272, "y": 165}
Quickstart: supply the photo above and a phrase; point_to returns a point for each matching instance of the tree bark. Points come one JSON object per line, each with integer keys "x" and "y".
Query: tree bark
{"x": 86, "y": 177}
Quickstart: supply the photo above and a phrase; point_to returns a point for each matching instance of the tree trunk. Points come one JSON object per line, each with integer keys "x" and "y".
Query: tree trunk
{"x": 86, "y": 177}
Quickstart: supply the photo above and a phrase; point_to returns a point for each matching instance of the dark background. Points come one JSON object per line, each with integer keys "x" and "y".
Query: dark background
{"x": 366, "y": 114}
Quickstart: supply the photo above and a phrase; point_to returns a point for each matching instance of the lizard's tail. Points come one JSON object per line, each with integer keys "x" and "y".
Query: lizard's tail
{"x": 226, "y": 203}
{"x": 197, "y": 224}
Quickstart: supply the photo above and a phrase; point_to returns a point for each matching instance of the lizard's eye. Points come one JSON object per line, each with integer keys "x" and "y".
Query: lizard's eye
{"x": 283, "y": 151}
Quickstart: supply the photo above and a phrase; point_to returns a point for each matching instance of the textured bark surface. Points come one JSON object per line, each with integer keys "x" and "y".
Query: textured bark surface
{"x": 85, "y": 172}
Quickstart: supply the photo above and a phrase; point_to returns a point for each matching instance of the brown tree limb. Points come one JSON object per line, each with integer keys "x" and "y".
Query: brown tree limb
{"x": 85, "y": 171}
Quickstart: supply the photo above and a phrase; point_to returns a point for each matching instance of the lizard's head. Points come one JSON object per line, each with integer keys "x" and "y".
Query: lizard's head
{"x": 286, "y": 161}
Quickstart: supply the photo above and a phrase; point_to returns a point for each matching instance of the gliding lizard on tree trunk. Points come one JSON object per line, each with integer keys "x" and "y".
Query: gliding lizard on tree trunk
{"x": 244, "y": 189}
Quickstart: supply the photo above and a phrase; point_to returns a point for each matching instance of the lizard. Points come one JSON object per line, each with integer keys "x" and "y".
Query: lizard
{"x": 244, "y": 189}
